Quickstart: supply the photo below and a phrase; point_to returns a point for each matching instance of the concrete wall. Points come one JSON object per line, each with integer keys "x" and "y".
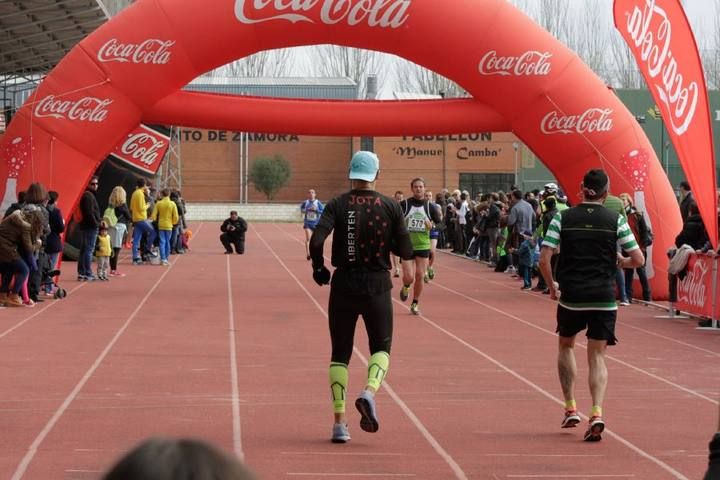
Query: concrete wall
{"x": 257, "y": 212}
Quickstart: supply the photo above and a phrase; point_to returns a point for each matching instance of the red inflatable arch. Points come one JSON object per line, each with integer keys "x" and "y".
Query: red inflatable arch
{"x": 521, "y": 79}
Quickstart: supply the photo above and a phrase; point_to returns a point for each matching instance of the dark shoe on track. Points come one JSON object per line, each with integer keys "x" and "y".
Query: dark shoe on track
{"x": 404, "y": 293}
{"x": 571, "y": 419}
{"x": 595, "y": 429}
{"x": 365, "y": 404}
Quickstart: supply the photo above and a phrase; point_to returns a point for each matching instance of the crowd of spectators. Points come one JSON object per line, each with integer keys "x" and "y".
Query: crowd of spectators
{"x": 31, "y": 237}
{"x": 506, "y": 230}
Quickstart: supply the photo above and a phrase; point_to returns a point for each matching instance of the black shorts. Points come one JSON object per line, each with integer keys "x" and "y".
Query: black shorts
{"x": 600, "y": 324}
{"x": 421, "y": 254}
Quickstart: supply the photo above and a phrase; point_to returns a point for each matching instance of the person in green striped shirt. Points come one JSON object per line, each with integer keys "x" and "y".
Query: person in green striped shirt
{"x": 587, "y": 239}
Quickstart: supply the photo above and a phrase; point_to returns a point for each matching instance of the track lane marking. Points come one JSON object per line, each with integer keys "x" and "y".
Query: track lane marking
{"x": 235, "y": 388}
{"x": 528, "y": 382}
{"x": 459, "y": 473}
{"x": 33, "y": 448}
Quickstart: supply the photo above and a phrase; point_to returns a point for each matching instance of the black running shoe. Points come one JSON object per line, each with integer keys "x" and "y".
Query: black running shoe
{"x": 595, "y": 429}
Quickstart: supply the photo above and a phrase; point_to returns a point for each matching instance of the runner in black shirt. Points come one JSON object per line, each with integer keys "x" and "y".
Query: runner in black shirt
{"x": 367, "y": 227}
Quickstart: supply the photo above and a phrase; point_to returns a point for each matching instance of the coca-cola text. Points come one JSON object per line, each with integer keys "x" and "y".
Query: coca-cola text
{"x": 152, "y": 51}
{"x": 594, "y": 120}
{"x": 86, "y": 109}
{"x": 531, "y": 63}
{"x": 375, "y": 13}
{"x": 691, "y": 289}
{"x": 143, "y": 147}
{"x": 676, "y": 92}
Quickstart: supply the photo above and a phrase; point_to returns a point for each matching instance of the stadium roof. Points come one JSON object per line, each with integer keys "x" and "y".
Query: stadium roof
{"x": 36, "y": 34}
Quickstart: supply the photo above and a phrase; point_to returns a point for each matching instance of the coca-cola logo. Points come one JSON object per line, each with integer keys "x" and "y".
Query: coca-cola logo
{"x": 674, "y": 89}
{"x": 86, "y": 109}
{"x": 375, "y": 13}
{"x": 150, "y": 51}
{"x": 530, "y": 63}
{"x": 691, "y": 289}
{"x": 593, "y": 120}
{"x": 143, "y": 147}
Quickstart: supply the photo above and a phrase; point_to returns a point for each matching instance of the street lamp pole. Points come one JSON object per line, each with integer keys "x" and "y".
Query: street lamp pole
{"x": 444, "y": 153}
{"x": 516, "y": 145}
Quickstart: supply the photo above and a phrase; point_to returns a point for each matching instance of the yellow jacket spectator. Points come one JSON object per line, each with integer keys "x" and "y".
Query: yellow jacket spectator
{"x": 138, "y": 205}
{"x": 166, "y": 215}
{"x": 103, "y": 250}
{"x": 165, "y": 212}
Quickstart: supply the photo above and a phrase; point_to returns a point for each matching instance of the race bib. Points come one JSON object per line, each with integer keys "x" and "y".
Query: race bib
{"x": 416, "y": 223}
{"x": 311, "y": 215}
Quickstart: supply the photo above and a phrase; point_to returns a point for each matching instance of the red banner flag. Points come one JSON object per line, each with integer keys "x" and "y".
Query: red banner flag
{"x": 660, "y": 38}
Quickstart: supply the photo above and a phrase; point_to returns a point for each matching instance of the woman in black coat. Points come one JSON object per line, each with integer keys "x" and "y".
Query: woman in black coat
{"x": 693, "y": 232}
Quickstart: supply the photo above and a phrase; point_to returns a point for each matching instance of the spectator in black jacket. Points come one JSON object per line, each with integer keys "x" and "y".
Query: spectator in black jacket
{"x": 54, "y": 245}
{"x": 686, "y": 199}
{"x": 90, "y": 218}
{"x": 17, "y": 205}
{"x": 175, "y": 243}
{"x": 693, "y": 232}
{"x": 233, "y": 229}
{"x": 492, "y": 223}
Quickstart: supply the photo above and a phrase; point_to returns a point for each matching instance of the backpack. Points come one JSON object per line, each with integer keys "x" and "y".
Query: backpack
{"x": 109, "y": 217}
{"x": 644, "y": 231}
{"x": 426, "y": 206}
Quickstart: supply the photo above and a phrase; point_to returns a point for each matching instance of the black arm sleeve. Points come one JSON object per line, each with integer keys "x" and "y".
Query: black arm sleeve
{"x": 223, "y": 227}
{"x": 322, "y": 231}
{"x": 403, "y": 247}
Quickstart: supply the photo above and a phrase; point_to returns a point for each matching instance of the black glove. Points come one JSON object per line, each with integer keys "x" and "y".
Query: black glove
{"x": 321, "y": 275}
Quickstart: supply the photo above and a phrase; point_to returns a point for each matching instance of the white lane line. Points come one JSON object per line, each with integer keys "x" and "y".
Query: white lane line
{"x": 37, "y": 312}
{"x": 560, "y": 455}
{"x": 627, "y": 475}
{"x": 459, "y": 474}
{"x": 542, "y": 391}
{"x": 350, "y": 474}
{"x": 623, "y": 323}
{"x": 609, "y": 357}
{"x": 237, "y": 432}
{"x": 536, "y": 387}
{"x": 32, "y": 450}
{"x": 352, "y": 454}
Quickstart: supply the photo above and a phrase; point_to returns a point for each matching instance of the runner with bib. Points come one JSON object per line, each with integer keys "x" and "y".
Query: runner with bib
{"x": 419, "y": 218}
{"x": 311, "y": 209}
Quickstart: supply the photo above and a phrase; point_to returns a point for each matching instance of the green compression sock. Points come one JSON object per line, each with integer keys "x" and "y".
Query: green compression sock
{"x": 338, "y": 385}
{"x": 377, "y": 368}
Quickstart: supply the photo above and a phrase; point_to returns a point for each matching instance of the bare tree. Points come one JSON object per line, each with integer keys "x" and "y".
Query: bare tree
{"x": 555, "y": 16}
{"x": 354, "y": 63}
{"x": 626, "y": 73}
{"x": 411, "y": 77}
{"x": 268, "y": 63}
{"x": 711, "y": 51}
{"x": 591, "y": 38}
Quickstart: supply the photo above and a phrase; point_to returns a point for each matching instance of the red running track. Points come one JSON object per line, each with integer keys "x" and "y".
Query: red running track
{"x": 235, "y": 349}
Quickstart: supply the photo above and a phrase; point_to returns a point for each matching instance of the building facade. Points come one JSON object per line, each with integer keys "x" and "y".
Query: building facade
{"x": 476, "y": 162}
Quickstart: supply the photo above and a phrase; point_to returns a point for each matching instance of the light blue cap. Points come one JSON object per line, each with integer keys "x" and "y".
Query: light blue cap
{"x": 364, "y": 166}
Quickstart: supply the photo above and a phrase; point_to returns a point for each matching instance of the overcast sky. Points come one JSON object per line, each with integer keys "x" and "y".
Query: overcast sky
{"x": 700, "y": 12}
